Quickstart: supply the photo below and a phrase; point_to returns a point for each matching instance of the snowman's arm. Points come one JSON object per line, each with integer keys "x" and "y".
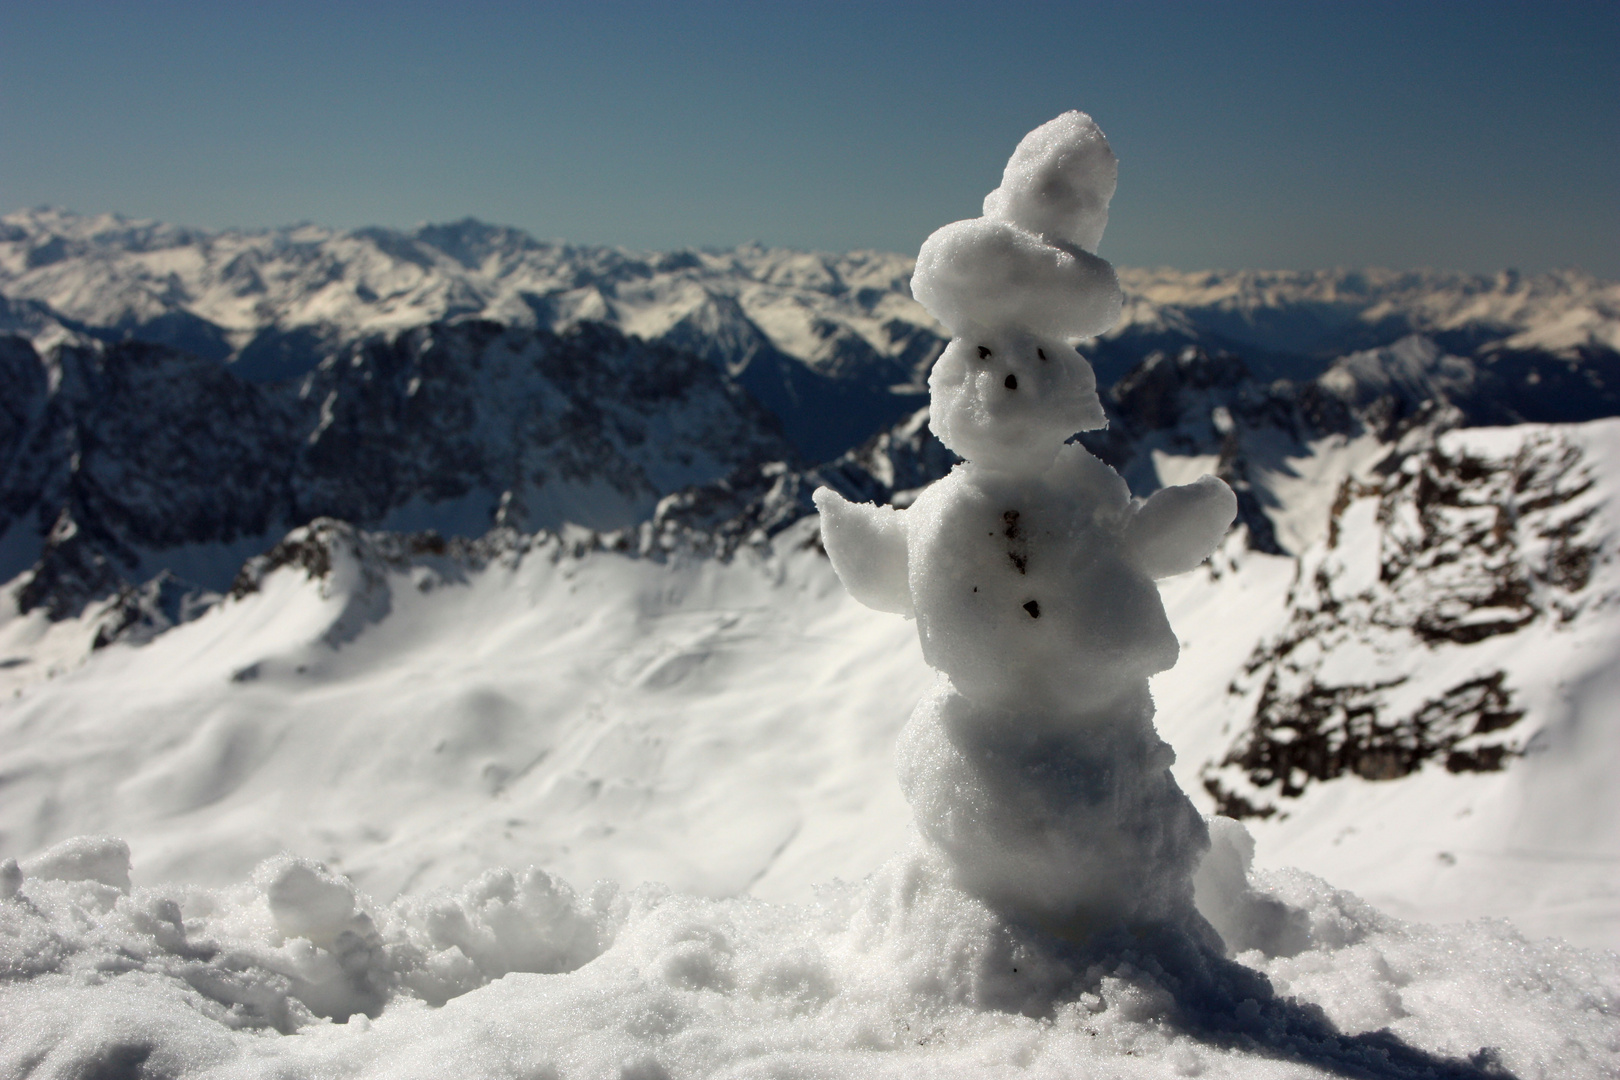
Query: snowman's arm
{"x": 867, "y": 545}
{"x": 1176, "y": 528}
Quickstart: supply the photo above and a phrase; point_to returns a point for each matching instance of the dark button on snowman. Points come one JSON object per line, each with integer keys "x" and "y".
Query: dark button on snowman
{"x": 1033, "y": 766}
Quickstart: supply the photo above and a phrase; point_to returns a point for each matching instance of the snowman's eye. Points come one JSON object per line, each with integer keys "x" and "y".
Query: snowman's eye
{"x": 984, "y": 353}
{"x": 1041, "y": 353}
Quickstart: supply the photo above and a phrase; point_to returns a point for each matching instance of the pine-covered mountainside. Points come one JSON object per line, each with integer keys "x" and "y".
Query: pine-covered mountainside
{"x": 278, "y": 470}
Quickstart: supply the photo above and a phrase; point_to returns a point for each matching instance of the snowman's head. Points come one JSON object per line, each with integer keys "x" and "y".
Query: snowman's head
{"x": 1008, "y": 399}
{"x": 1010, "y": 387}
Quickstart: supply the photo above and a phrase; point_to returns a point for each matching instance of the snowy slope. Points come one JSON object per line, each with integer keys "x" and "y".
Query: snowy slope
{"x": 413, "y": 713}
{"x": 717, "y": 727}
{"x": 1414, "y": 707}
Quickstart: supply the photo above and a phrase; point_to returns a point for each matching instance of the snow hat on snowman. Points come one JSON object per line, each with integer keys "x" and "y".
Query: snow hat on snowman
{"x": 1017, "y": 288}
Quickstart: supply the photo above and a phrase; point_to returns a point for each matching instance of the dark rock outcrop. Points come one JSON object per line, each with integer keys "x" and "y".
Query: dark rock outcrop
{"x": 1447, "y": 549}
{"x": 118, "y": 453}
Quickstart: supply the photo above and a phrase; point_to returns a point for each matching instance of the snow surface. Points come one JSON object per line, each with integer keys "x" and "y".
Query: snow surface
{"x": 662, "y": 693}
{"x": 596, "y": 655}
{"x": 569, "y": 711}
{"x": 898, "y": 976}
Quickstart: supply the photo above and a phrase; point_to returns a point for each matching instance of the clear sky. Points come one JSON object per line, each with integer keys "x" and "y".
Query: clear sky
{"x": 1472, "y": 136}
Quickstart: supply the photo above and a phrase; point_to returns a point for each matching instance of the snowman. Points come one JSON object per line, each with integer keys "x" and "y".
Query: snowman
{"x": 1033, "y": 766}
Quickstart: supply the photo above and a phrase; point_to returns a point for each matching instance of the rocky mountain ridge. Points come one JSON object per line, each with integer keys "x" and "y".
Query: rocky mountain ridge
{"x": 1394, "y": 657}
{"x": 809, "y": 335}
{"x": 1204, "y": 410}
{"x": 120, "y": 458}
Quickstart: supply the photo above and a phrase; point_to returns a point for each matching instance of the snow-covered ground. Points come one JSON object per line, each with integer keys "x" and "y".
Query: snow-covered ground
{"x": 723, "y": 729}
{"x": 726, "y": 729}
{"x": 718, "y": 727}
{"x": 515, "y": 975}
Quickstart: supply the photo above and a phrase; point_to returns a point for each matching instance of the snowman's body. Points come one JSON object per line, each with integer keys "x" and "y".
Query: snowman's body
{"x": 1034, "y": 765}
{"x": 1028, "y": 599}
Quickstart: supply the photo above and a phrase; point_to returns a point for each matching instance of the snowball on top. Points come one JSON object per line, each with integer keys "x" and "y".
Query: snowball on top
{"x": 981, "y": 273}
{"x": 1058, "y": 182}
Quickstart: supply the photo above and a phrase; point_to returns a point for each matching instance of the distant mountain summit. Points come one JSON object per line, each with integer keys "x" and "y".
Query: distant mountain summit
{"x": 273, "y": 303}
{"x": 1329, "y": 312}
{"x": 808, "y": 335}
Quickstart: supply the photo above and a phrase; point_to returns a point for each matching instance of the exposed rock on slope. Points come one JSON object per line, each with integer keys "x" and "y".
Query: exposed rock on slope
{"x": 1377, "y": 673}
{"x": 754, "y": 504}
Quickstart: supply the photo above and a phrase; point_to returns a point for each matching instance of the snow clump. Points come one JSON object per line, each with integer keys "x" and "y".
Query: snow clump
{"x": 1034, "y": 766}
{"x": 296, "y": 974}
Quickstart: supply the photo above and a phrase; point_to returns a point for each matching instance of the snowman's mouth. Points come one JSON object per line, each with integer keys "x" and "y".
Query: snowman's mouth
{"x": 1011, "y": 382}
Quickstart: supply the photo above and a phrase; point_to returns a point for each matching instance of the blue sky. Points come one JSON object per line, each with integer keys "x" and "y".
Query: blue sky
{"x": 1464, "y": 135}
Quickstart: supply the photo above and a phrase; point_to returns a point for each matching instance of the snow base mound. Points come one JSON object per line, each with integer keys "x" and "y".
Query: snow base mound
{"x": 515, "y": 975}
